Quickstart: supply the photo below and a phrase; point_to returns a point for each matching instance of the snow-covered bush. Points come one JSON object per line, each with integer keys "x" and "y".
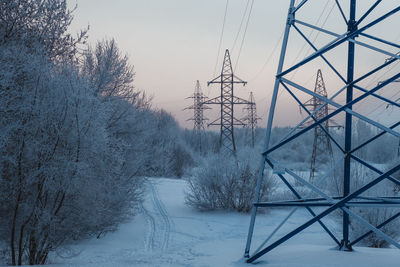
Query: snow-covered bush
{"x": 222, "y": 182}
{"x": 360, "y": 176}
{"x": 375, "y": 216}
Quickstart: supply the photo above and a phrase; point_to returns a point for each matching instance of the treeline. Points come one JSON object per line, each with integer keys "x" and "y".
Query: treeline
{"x": 297, "y": 153}
{"x": 222, "y": 182}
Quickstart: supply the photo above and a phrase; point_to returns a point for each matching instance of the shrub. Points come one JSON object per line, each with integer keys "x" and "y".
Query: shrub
{"x": 375, "y": 216}
{"x": 360, "y": 176}
{"x": 225, "y": 183}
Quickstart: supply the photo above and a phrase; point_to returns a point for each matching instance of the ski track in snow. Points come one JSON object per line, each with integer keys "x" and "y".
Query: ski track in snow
{"x": 159, "y": 222}
{"x": 149, "y": 242}
{"x": 165, "y": 222}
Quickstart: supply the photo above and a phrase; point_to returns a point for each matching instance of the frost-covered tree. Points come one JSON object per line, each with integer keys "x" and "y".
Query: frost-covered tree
{"x": 170, "y": 155}
{"x": 64, "y": 175}
{"x": 109, "y": 71}
{"x": 66, "y": 167}
{"x": 111, "y": 76}
{"x": 40, "y": 23}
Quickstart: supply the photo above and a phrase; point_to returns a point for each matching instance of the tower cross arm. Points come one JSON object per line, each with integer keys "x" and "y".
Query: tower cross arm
{"x": 215, "y": 122}
{"x": 238, "y": 122}
{"x": 203, "y": 107}
{"x": 189, "y": 107}
{"x": 238, "y": 100}
{"x": 193, "y": 119}
{"x": 236, "y": 79}
{"x": 215, "y": 80}
{"x": 219, "y": 80}
{"x": 215, "y": 100}
{"x": 334, "y": 124}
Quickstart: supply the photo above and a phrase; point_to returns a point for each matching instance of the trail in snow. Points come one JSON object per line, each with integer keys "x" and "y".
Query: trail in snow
{"x": 149, "y": 243}
{"x": 158, "y": 221}
{"x": 168, "y": 233}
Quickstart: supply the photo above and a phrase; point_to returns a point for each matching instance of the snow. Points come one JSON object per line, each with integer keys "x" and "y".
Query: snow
{"x": 169, "y": 233}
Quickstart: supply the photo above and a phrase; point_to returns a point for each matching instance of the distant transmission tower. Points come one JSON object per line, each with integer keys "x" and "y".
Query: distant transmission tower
{"x": 358, "y": 32}
{"x": 251, "y": 117}
{"x": 322, "y": 142}
{"x": 389, "y": 60}
{"x": 387, "y": 106}
{"x": 227, "y": 100}
{"x": 198, "y": 113}
{"x": 396, "y": 101}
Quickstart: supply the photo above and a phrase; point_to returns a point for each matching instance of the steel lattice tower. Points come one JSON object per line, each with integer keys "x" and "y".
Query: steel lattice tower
{"x": 345, "y": 98}
{"x": 251, "y": 117}
{"x": 397, "y": 100}
{"x": 227, "y": 100}
{"x": 322, "y": 143}
{"x": 198, "y": 113}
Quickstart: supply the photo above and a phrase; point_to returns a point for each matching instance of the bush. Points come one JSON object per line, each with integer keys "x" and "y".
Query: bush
{"x": 375, "y": 216}
{"x": 360, "y": 176}
{"x": 225, "y": 183}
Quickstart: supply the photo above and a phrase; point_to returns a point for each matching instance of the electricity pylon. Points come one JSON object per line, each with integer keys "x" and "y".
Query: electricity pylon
{"x": 351, "y": 197}
{"x": 322, "y": 143}
{"x": 387, "y": 106}
{"x": 397, "y": 100}
{"x": 198, "y": 113}
{"x": 227, "y": 100}
{"x": 251, "y": 117}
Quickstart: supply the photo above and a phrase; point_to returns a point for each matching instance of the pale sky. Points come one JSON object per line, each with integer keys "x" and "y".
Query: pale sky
{"x": 173, "y": 43}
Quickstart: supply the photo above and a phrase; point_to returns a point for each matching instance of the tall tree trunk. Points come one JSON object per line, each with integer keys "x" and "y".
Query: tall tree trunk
{"x": 32, "y": 249}
{"x": 20, "y": 244}
{"x": 12, "y": 239}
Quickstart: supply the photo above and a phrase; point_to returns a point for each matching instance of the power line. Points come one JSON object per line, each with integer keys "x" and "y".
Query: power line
{"x": 268, "y": 58}
{"x": 244, "y": 34}
{"x": 221, "y": 36}
{"x": 316, "y": 36}
{"x": 298, "y": 54}
{"x": 397, "y": 37}
{"x": 312, "y": 31}
{"x": 379, "y": 106}
{"x": 240, "y": 26}
{"x": 374, "y": 81}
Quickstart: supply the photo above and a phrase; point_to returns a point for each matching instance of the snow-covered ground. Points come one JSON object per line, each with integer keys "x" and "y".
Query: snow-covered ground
{"x": 168, "y": 233}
